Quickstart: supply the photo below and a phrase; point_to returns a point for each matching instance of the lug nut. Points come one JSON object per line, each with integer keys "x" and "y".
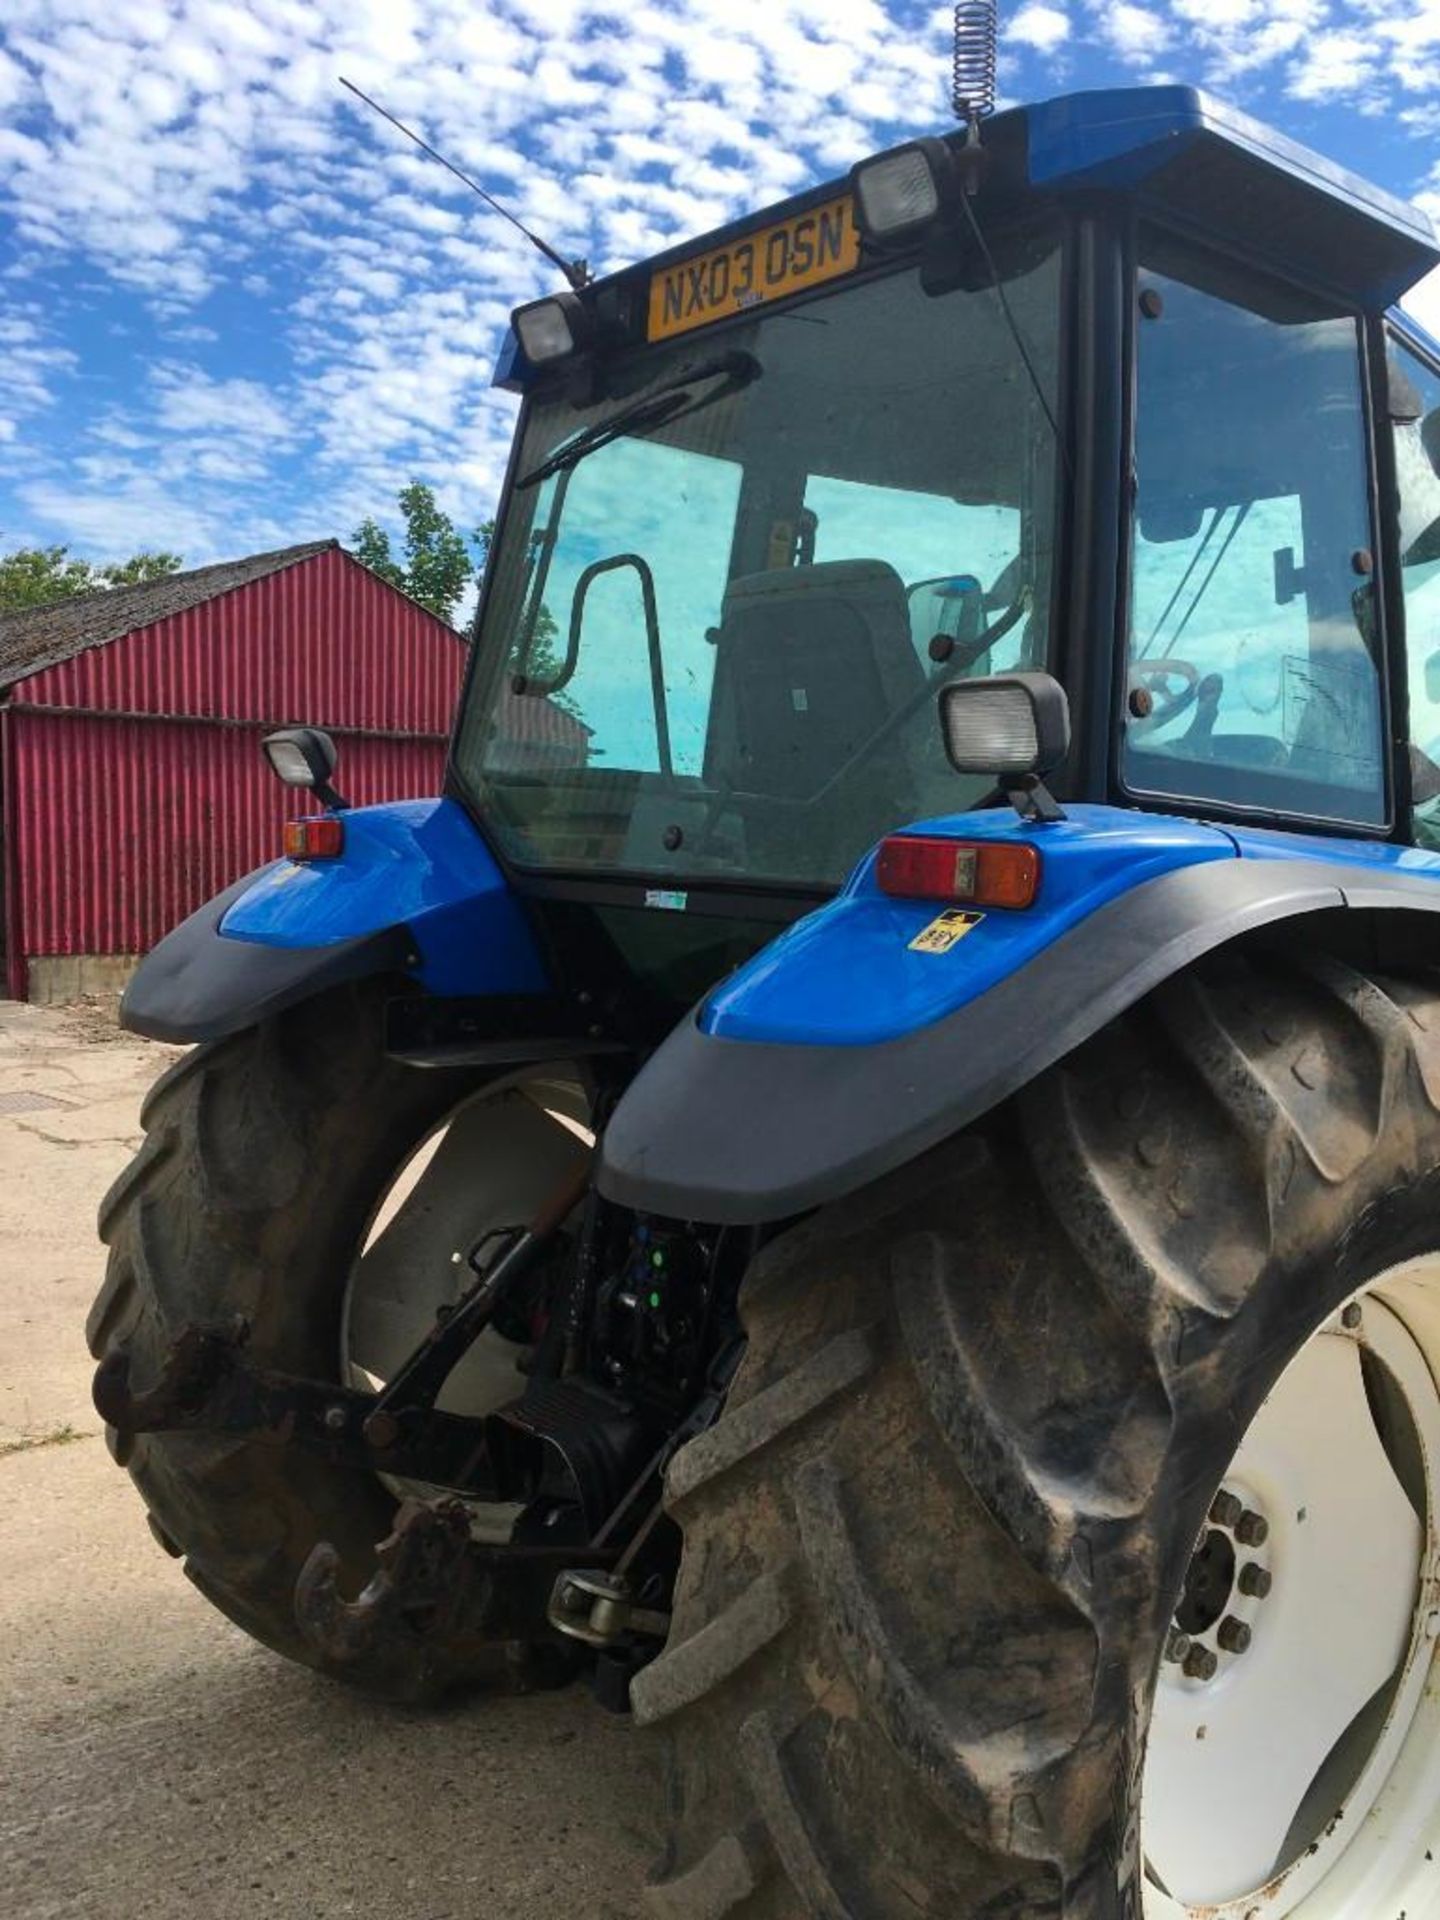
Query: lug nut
{"x": 1254, "y": 1580}
{"x": 1200, "y": 1663}
{"x": 1234, "y": 1635}
{"x": 1252, "y": 1529}
{"x": 335, "y": 1418}
{"x": 1350, "y": 1316}
{"x": 1226, "y": 1509}
{"x": 1177, "y": 1644}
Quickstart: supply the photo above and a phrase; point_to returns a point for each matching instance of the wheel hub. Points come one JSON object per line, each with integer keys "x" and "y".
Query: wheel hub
{"x": 1225, "y": 1584}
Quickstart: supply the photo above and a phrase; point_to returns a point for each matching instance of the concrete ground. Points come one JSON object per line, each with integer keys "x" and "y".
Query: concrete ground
{"x": 154, "y": 1762}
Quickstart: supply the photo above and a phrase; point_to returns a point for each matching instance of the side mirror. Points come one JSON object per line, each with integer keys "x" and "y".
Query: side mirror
{"x": 304, "y": 757}
{"x": 1162, "y": 522}
{"x": 1014, "y": 727}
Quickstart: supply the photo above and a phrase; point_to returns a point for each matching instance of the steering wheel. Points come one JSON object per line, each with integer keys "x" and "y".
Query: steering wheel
{"x": 1155, "y": 677}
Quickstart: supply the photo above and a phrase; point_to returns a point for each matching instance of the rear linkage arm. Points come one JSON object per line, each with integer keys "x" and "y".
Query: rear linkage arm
{"x": 206, "y": 1385}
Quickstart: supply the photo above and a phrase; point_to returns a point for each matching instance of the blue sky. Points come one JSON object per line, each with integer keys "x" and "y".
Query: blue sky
{"x": 236, "y": 310}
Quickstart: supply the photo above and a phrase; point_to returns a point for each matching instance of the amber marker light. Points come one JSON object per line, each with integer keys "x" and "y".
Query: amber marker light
{"x": 981, "y": 873}
{"x": 322, "y": 837}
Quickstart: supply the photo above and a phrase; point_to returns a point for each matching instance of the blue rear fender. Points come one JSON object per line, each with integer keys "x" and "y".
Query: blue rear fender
{"x": 850, "y": 975}
{"x": 415, "y": 892}
{"x": 844, "y": 1049}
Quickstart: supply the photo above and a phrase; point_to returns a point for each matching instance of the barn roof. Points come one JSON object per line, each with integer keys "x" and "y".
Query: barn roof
{"x": 40, "y": 637}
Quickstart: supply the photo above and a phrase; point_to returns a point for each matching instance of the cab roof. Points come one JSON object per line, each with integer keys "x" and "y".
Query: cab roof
{"x": 1215, "y": 170}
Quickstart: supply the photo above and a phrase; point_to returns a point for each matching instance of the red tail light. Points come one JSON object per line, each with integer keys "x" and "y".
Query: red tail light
{"x": 983, "y": 873}
{"x": 321, "y": 837}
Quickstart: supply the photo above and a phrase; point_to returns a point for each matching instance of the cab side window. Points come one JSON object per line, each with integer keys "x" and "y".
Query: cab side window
{"x": 1253, "y": 673}
{"x": 1415, "y": 418}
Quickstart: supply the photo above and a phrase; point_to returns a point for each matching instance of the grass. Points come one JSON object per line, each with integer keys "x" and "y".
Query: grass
{"x": 29, "y": 1442}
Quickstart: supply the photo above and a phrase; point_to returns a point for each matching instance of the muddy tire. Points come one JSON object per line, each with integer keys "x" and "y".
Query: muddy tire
{"x": 933, "y": 1547}
{"x": 263, "y": 1160}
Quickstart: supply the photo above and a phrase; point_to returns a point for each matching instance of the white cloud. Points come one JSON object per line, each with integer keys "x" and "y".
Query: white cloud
{"x": 1334, "y": 64}
{"x": 14, "y": 83}
{"x": 133, "y": 512}
{"x": 1424, "y": 302}
{"x": 31, "y": 364}
{"x": 182, "y": 148}
{"x": 190, "y": 402}
{"x": 1138, "y": 33}
{"x": 1044, "y": 28}
{"x": 197, "y": 157}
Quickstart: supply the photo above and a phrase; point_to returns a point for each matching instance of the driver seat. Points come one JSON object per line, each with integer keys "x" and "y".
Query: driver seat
{"x": 810, "y": 660}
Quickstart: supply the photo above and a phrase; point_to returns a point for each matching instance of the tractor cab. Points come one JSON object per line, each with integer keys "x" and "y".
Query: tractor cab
{"x": 1105, "y": 394}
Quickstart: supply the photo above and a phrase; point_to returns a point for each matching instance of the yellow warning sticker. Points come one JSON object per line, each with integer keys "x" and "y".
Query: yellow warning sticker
{"x": 944, "y": 931}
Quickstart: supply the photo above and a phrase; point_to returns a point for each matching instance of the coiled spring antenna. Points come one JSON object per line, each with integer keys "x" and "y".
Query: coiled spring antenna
{"x": 972, "y": 89}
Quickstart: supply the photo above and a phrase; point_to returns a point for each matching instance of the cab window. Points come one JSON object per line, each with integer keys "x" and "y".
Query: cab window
{"x": 922, "y": 534}
{"x": 1253, "y": 678}
{"x": 1415, "y": 421}
{"x": 716, "y": 627}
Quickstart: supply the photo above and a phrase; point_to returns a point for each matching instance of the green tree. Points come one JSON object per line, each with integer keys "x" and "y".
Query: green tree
{"x": 371, "y": 546}
{"x": 141, "y": 566}
{"x": 437, "y": 566}
{"x": 544, "y": 658}
{"x": 36, "y": 576}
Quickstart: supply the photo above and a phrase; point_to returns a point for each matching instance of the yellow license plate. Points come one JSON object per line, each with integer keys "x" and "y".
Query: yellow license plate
{"x": 780, "y": 260}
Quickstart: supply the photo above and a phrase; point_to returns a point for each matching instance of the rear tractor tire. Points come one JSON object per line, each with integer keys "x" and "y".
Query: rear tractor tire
{"x": 264, "y": 1160}
{"x": 1065, "y": 1548}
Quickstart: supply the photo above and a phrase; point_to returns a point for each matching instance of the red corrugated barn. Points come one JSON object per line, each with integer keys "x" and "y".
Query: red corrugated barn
{"x": 132, "y": 785}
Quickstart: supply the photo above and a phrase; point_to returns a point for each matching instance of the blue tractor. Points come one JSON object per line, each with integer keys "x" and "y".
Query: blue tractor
{"x": 869, "y": 1175}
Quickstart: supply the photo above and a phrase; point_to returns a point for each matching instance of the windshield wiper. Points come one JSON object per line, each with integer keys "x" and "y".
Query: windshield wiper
{"x": 733, "y": 370}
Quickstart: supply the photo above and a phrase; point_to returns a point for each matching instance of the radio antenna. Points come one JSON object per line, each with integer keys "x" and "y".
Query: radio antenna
{"x": 972, "y": 80}
{"x": 577, "y": 272}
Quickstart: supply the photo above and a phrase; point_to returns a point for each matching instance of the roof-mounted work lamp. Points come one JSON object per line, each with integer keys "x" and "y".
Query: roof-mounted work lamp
{"x": 1013, "y": 727}
{"x": 900, "y": 193}
{"x": 551, "y": 330}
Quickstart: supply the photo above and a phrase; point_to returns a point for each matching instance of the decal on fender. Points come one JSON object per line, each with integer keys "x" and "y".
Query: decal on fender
{"x": 944, "y": 931}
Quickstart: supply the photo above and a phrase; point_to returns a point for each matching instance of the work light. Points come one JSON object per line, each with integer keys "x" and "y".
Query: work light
{"x": 552, "y": 329}
{"x": 1009, "y": 725}
{"x": 304, "y": 757}
{"x": 900, "y": 192}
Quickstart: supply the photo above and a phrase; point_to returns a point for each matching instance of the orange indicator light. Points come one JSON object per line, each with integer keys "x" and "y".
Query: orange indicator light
{"x": 983, "y": 873}
{"x": 321, "y": 837}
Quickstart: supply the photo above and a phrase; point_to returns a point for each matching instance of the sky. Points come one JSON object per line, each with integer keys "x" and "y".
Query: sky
{"x": 238, "y": 310}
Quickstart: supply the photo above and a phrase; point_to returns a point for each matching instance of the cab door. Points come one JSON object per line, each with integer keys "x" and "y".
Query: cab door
{"x": 1253, "y": 676}
{"x": 1414, "y": 408}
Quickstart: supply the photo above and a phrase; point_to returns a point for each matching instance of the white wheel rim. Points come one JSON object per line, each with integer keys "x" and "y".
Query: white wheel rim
{"x": 1238, "y": 1822}
{"x": 507, "y": 1146}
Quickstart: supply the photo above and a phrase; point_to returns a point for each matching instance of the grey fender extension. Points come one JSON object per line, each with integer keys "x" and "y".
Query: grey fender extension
{"x": 740, "y": 1132}
{"x": 197, "y": 985}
